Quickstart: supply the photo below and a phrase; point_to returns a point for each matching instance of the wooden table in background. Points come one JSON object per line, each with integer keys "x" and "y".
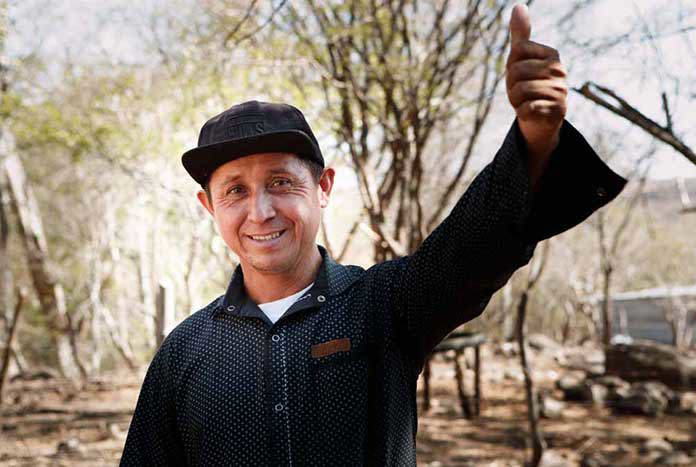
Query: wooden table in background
{"x": 459, "y": 342}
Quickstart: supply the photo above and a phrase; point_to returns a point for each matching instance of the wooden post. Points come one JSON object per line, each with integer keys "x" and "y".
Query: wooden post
{"x": 459, "y": 342}
{"x": 164, "y": 317}
{"x": 459, "y": 375}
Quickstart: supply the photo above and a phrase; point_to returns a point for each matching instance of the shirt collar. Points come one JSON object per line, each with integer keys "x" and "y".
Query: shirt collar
{"x": 332, "y": 279}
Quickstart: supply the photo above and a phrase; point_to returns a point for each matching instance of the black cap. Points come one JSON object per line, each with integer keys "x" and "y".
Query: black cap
{"x": 249, "y": 128}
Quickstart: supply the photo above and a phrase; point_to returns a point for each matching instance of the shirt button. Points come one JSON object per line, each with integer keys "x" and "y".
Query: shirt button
{"x": 321, "y": 298}
{"x": 278, "y": 407}
{"x": 601, "y": 192}
{"x": 230, "y": 308}
{"x": 275, "y": 337}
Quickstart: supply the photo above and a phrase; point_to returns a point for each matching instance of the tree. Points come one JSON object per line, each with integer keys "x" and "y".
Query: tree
{"x": 537, "y": 440}
{"x": 609, "y": 250}
{"x": 656, "y": 31}
{"x": 48, "y": 290}
{"x": 391, "y": 75}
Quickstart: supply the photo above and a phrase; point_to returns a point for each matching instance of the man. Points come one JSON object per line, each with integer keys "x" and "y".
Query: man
{"x": 307, "y": 362}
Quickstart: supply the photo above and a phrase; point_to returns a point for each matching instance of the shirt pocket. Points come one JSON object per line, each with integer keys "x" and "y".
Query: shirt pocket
{"x": 340, "y": 401}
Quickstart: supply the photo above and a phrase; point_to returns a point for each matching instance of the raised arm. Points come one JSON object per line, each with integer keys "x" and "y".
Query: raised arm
{"x": 543, "y": 180}
{"x": 491, "y": 232}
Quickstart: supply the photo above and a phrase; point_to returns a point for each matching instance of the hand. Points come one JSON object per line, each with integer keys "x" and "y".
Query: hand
{"x": 536, "y": 88}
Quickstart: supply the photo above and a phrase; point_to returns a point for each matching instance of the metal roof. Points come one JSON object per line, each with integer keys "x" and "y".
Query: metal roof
{"x": 644, "y": 294}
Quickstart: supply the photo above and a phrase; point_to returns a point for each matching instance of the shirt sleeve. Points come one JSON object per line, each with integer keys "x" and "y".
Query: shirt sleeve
{"x": 492, "y": 231}
{"x": 153, "y": 438}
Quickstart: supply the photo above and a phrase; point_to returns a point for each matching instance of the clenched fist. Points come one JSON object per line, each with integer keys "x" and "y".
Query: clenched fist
{"x": 536, "y": 88}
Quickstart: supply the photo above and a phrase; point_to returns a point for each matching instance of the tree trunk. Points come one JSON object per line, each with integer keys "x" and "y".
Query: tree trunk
{"x": 537, "y": 439}
{"x": 426, "y": 385}
{"x": 538, "y": 444}
{"x": 48, "y": 291}
{"x": 145, "y": 279}
{"x": 18, "y": 357}
{"x": 189, "y": 279}
{"x": 96, "y": 340}
{"x": 95, "y": 323}
{"x": 676, "y": 314}
{"x": 120, "y": 342}
{"x": 7, "y": 350}
{"x": 102, "y": 317}
{"x": 5, "y": 269}
{"x": 9, "y": 319}
{"x": 606, "y": 307}
{"x": 507, "y": 305}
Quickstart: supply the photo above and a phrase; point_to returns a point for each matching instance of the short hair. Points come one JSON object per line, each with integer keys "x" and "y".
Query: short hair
{"x": 315, "y": 170}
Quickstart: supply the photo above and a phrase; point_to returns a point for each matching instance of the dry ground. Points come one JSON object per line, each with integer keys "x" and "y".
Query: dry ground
{"x": 40, "y": 415}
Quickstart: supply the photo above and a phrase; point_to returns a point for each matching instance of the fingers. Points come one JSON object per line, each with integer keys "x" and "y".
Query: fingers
{"x": 532, "y": 69}
{"x": 530, "y": 49}
{"x": 548, "y": 112}
{"x": 553, "y": 89}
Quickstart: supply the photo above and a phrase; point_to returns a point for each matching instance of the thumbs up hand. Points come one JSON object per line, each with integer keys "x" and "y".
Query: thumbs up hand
{"x": 536, "y": 88}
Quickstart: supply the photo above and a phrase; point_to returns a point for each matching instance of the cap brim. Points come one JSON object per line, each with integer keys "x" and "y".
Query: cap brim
{"x": 202, "y": 161}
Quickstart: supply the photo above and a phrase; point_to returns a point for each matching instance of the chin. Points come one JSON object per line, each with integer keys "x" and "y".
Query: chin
{"x": 270, "y": 265}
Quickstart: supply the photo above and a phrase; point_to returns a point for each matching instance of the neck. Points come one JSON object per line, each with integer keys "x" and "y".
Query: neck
{"x": 264, "y": 288}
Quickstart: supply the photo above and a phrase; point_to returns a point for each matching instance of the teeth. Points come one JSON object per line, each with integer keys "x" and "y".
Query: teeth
{"x": 266, "y": 237}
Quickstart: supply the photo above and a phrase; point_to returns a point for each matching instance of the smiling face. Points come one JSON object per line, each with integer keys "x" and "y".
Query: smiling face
{"x": 267, "y": 208}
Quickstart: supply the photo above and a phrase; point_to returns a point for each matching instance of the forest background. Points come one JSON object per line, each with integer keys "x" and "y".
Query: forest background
{"x": 100, "y": 225}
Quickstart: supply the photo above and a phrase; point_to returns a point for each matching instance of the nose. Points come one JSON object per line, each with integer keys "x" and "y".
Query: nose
{"x": 261, "y": 208}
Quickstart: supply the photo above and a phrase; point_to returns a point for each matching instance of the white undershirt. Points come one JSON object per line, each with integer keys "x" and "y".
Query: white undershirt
{"x": 275, "y": 309}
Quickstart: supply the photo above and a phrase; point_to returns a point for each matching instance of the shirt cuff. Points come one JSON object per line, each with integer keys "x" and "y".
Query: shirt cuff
{"x": 576, "y": 183}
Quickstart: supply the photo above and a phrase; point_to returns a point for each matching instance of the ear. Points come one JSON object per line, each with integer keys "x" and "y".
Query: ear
{"x": 325, "y": 184}
{"x": 207, "y": 204}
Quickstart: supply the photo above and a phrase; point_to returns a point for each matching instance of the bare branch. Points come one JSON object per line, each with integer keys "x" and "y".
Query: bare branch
{"x": 623, "y": 109}
{"x": 250, "y": 34}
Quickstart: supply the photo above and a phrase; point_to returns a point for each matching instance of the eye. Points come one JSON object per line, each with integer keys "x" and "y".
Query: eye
{"x": 234, "y": 190}
{"x": 280, "y": 183}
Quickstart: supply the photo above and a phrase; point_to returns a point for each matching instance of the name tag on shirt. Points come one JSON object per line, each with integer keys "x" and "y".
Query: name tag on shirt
{"x": 330, "y": 347}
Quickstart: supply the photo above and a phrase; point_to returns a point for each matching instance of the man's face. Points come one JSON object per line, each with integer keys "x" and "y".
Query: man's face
{"x": 267, "y": 208}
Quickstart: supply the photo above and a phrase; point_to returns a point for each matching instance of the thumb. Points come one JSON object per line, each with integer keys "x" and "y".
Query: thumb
{"x": 520, "y": 26}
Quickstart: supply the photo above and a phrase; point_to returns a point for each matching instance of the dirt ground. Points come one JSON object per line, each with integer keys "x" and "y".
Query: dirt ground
{"x": 43, "y": 423}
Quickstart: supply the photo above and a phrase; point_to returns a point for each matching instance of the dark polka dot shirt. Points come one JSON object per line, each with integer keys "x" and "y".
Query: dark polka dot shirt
{"x": 333, "y": 381}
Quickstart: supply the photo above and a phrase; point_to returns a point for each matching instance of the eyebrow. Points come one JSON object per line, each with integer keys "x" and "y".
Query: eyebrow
{"x": 233, "y": 177}
{"x": 229, "y": 178}
{"x": 282, "y": 171}
{"x": 275, "y": 171}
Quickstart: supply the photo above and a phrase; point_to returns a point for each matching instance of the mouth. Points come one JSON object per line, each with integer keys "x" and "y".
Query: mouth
{"x": 267, "y": 237}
